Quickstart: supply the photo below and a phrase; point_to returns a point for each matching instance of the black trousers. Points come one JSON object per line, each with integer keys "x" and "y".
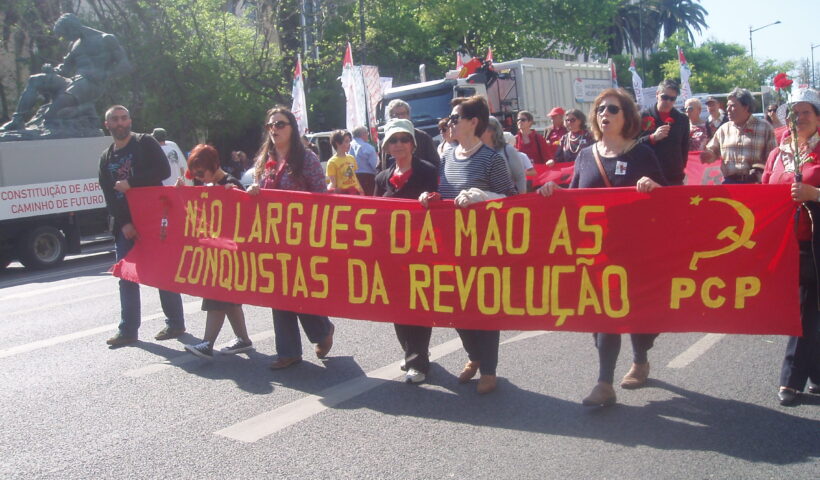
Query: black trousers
{"x": 481, "y": 346}
{"x": 415, "y": 341}
{"x": 609, "y": 346}
{"x": 802, "y": 359}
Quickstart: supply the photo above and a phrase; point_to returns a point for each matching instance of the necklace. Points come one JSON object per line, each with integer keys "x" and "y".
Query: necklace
{"x": 466, "y": 152}
{"x": 572, "y": 138}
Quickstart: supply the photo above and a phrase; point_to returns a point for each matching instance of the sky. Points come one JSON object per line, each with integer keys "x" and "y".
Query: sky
{"x": 729, "y": 22}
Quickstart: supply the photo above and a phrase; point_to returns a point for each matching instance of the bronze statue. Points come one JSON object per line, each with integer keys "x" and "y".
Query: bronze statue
{"x": 72, "y": 86}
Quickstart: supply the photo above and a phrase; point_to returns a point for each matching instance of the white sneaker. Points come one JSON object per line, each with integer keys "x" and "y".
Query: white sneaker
{"x": 414, "y": 376}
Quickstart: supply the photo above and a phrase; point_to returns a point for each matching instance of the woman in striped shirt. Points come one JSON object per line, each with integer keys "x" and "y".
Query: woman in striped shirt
{"x": 469, "y": 173}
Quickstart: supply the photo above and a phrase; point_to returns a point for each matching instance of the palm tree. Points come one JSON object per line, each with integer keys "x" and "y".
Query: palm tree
{"x": 686, "y": 15}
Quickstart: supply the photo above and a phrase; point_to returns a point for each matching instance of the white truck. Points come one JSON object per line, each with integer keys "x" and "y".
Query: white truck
{"x": 50, "y": 199}
{"x": 533, "y": 84}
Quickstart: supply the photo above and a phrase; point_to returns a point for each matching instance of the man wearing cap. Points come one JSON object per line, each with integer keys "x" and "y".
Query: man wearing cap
{"x": 666, "y": 131}
{"x": 176, "y": 160}
{"x": 425, "y": 148}
{"x": 554, "y": 134}
{"x": 716, "y": 116}
{"x": 743, "y": 143}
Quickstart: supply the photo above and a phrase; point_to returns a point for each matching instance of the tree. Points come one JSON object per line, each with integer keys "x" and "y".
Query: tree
{"x": 685, "y": 15}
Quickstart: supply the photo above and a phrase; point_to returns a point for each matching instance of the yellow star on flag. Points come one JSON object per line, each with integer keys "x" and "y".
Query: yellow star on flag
{"x": 695, "y": 200}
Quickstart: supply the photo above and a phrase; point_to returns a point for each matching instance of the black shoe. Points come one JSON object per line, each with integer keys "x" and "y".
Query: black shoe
{"x": 787, "y": 396}
{"x": 814, "y": 389}
{"x": 168, "y": 333}
{"x": 119, "y": 340}
{"x": 237, "y": 346}
{"x": 201, "y": 350}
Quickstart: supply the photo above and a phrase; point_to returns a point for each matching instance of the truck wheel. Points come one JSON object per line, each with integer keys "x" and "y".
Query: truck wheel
{"x": 42, "y": 247}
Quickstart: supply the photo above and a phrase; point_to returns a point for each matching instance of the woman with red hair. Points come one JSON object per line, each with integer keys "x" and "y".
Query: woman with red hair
{"x": 205, "y": 170}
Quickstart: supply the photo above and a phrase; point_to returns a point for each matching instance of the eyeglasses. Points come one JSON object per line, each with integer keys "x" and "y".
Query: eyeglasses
{"x": 400, "y": 138}
{"x": 571, "y": 120}
{"x": 771, "y": 110}
{"x": 613, "y": 109}
{"x": 279, "y": 124}
{"x": 668, "y": 98}
{"x": 454, "y": 118}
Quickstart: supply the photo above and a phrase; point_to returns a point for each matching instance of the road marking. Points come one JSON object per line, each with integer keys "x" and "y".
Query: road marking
{"x": 188, "y": 307}
{"x": 52, "y": 305}
{"x": 524, "y": 336}
{"x": 270, "y": 422}
{"x": 41, "y": 291}
{"x": 186, "y": 358}
{"x": 28, "y": 278}
{"x": 696, "y": 350}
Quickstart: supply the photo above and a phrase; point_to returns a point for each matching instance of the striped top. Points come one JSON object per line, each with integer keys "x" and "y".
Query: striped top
{"x": 485, "y": 170}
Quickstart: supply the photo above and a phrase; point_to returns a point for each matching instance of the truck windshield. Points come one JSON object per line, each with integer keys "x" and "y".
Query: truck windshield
{"x": 431, "y": 108}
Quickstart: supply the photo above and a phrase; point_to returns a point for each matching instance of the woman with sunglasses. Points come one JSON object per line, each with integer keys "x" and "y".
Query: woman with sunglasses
{"x": 283, "y": 163}
{"x": 409, "y": 177}
{"x": 446, "y": 136}
{"x": 530, "y": 142}
{"x": 469, "y": 173}
{"x": 624, "y": 162}
{"x": 204, "y": 169}
{"x": 576, "y": 138}
{"x": 780, "y": 128}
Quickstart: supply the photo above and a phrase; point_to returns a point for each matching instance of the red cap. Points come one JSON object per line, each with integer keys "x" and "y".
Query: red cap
{"x": 556, "y": 111}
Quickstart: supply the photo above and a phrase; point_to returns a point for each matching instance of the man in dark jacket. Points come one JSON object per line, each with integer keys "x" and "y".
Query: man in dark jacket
{"x": 666, "y": 131}
{"x": 133, "y": 161}
{"x": 425, "y": 149}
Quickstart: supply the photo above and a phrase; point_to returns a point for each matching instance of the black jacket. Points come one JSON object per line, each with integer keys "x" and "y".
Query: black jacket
{"x": 672, "y": 151}
{"x": 148, "y": 168}
{"x": 423, "y": 179}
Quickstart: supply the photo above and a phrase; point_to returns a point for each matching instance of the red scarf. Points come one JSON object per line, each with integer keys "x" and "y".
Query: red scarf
{"x": 398, "y": 180}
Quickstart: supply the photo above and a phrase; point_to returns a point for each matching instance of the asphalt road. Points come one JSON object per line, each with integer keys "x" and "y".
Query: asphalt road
{"x": 73, "y": 408}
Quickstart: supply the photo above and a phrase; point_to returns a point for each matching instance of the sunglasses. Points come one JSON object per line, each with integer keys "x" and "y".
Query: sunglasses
{"x": 571, "y": 120}
{"x": 454, "y": 118}
{"x": 400, "y": 138}
{"x": 279, "y": 124}
{"x": 771, "y": 110}
{"x": 613, "y": 109}
{"x": 668, "y": 98}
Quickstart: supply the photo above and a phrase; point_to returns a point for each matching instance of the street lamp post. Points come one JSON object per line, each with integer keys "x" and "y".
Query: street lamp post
{"x": 751, "y": 31}
{"x": 813, "y": 78}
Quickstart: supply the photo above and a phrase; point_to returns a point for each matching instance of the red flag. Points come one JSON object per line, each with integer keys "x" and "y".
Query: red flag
{"x": 614, "y": 75}
{"x": 348, "y": 60}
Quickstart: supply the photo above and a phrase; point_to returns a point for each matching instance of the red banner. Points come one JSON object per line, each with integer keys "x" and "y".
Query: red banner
{"x": 698, "y": 173}
{"x": 706, "y": 259}
{"x": 560, "y": 173}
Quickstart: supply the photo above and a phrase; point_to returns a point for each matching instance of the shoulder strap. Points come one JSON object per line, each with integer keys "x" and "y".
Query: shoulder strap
{"x": 601, "y": 166}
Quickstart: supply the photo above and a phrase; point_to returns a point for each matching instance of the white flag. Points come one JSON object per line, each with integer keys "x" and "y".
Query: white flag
{"x": 299, "y": 107}
{"x": 637, "y": 83}
{"x": 685, "y": 73}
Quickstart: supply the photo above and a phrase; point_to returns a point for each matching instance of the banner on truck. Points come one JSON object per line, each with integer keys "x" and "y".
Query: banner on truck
{"x": 45, "y": 198}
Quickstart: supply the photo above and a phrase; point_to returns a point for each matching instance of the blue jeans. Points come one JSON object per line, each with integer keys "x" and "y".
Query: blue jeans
{"x": 130, "y": 298}
{"x": 286, "y": 331}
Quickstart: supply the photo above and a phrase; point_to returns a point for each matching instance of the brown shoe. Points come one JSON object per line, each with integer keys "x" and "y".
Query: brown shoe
{"x": 168, "y": 333}
{"x": 602, "y": 395}
{"x": 486, "y": 384}
{"x": 119, "y": 340}
{"x": 469, "y": 372}
{"x": 637, "y": 376}
{"x": 323, "y": 347}
{"x": 284, "y": 362}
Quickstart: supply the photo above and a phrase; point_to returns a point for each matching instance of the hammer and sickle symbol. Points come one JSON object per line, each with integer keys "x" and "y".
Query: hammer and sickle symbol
{"x": 742, "y": 240}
